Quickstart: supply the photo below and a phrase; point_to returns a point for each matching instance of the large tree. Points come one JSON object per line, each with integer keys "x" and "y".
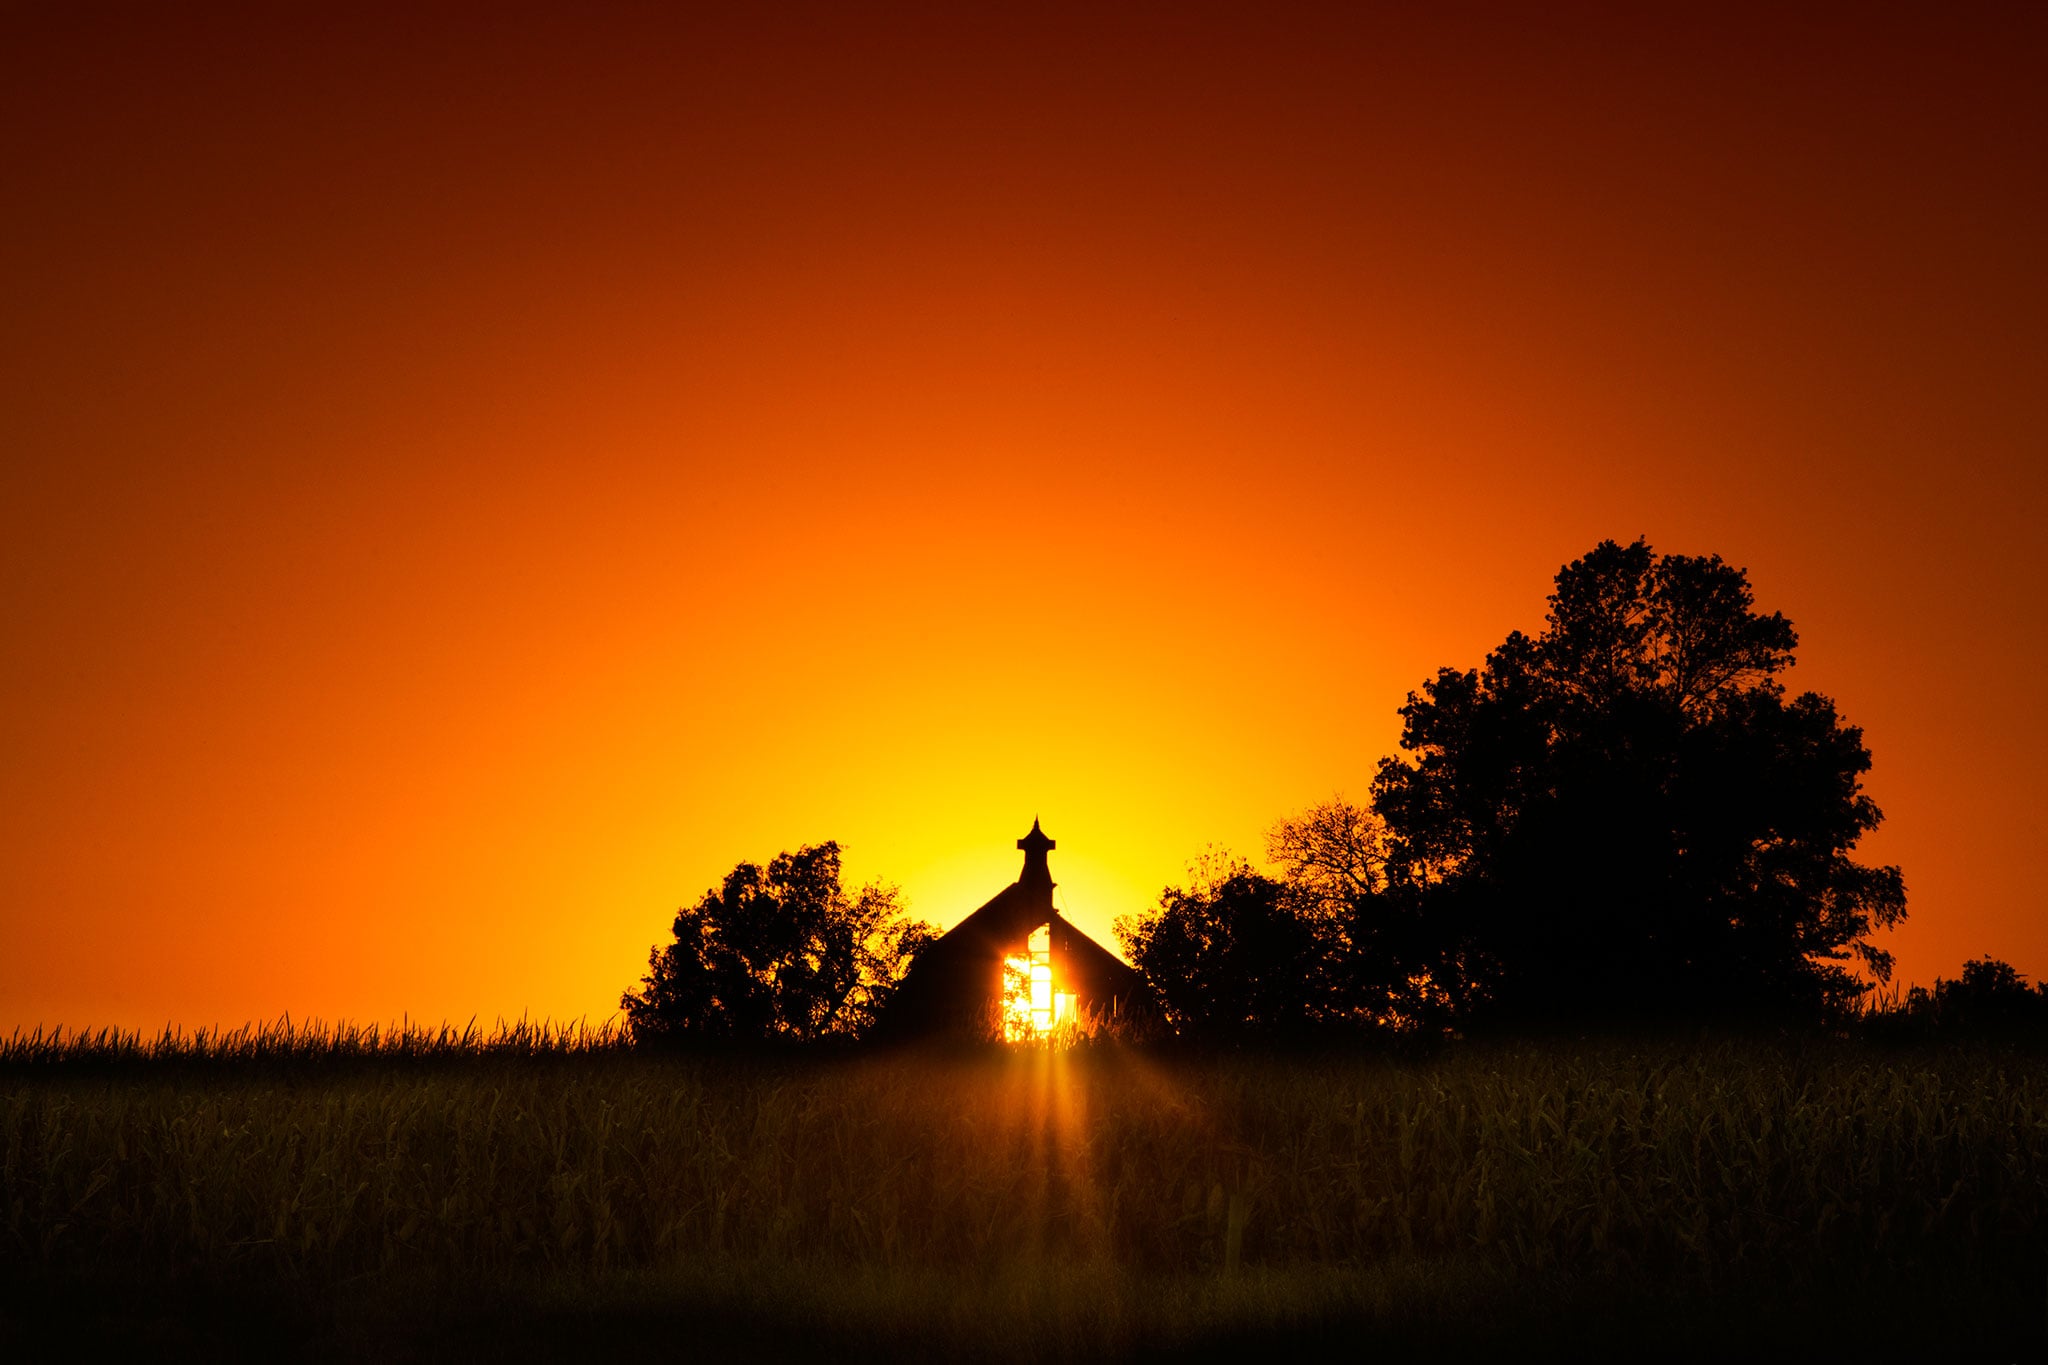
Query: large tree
{"x": 1627, "y": 815}
{"x": 782, "y": 952}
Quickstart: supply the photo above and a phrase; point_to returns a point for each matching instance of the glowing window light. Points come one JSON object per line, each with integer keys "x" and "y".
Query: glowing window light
{"x": 1017, "y": 999}
{"x": 1032, "y": 1009}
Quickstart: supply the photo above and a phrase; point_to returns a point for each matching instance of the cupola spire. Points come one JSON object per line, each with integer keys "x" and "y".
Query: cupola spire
{"x": 1036, "y": 845}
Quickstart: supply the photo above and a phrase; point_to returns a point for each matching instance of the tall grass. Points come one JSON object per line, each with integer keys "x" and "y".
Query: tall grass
{"x": 1670, "y": 1161}
{"x": 284, "y": 1041}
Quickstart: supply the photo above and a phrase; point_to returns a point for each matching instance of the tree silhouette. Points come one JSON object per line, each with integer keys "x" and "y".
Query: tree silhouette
{"x": 1382, "y": 964}
{"x": 781, "y": 952}
{"x": 1626, "y": 815}
{"x": 1991, "y": 998}
{"x": 1231, "y": 954}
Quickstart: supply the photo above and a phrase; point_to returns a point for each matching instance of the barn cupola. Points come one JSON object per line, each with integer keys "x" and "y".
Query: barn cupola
{"x": 1036, "y": 876}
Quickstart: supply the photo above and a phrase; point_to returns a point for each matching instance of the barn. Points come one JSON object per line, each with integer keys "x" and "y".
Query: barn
{"x": 1018, "y": 970}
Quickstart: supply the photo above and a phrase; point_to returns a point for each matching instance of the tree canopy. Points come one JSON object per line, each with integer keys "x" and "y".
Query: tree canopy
{"x": 782, "y": 952}
{"x": 1230, "y": 953}
{"x": 1383, "y": 962}
{"x": 1627, "y": 815}
{"x": 1989, "y": 999}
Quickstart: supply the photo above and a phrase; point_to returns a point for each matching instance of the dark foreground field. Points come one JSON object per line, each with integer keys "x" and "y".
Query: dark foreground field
{"x": 1700, "y": 1200}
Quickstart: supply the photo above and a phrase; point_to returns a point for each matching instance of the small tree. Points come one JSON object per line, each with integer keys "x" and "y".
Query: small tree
{"x": 1231, "y": 953}
{"x": 777, "y": 953}
{"x": 1384, "y": 965}
{"x": 1990, "y": 997}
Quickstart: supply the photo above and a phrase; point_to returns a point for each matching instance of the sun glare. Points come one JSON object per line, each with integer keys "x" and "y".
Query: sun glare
{"x": 1033, "y": 1011}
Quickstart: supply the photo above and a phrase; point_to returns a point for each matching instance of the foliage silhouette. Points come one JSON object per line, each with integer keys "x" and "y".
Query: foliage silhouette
{"x": 1382, "y": 962}
{"x": 1626, "y": 816}
{"x": 1231, "y": 954}
{"x": 1989, "y": 1000}
{"x": 781, "y": 953}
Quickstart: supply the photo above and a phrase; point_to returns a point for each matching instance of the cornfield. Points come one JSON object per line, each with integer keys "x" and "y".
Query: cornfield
{"x": 308, "y": 1158}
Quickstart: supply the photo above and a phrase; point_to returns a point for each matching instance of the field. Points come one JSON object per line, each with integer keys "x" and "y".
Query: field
{"x": 544, "y": 1196}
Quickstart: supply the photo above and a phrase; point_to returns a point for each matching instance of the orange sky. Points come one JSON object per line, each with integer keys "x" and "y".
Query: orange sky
{"x": 470, "y": 480}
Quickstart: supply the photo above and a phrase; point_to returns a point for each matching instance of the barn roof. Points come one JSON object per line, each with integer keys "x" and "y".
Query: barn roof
{"x": 955, "y": 983}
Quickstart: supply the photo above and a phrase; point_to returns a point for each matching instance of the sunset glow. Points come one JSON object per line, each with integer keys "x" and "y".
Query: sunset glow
{"x": 1034, "y": 1009}
{"x": 472, "y": 478}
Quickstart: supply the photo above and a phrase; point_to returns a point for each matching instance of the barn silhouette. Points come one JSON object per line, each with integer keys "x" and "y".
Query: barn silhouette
{"x": 1016, "y": 968}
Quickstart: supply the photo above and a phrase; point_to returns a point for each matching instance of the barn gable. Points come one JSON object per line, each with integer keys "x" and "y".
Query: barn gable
{"x": 958, "y": 985}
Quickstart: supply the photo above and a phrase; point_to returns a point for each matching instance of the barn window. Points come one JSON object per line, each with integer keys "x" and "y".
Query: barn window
{"x": 1033, "y": 1007}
